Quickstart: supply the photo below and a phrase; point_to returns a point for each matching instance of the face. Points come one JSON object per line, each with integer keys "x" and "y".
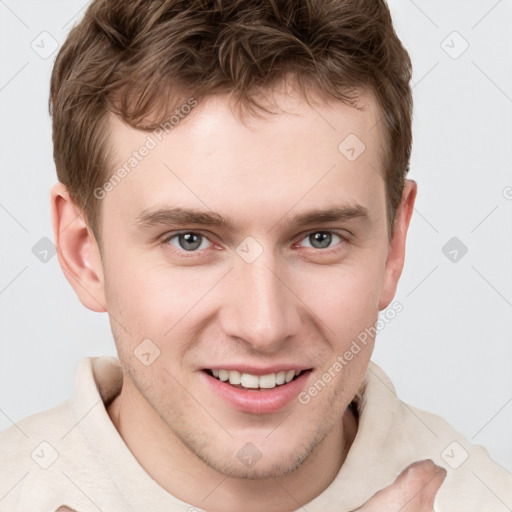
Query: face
{"x": 252, "y": 251}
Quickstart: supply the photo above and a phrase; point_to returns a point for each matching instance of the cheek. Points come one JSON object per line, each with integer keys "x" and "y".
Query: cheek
{"x": 143, "y": 299}
{"x": 348, "y": 309}
{"x": 346, "y": 298}
{"x": 156, "y": 301}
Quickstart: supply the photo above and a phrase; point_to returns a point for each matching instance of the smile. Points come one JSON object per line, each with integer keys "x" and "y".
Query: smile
{"x": 250, "y": 381}
{"x": 257, "y": 391}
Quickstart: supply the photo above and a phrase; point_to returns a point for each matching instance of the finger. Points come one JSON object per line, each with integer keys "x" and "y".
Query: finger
{"x": 414, "y": 490}
{"x": 420, "y": 483}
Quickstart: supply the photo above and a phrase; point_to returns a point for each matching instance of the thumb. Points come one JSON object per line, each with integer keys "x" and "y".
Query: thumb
{"x": 414, "y": 490}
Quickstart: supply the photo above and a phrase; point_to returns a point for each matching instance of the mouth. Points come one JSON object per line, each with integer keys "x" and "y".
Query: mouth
{"x": 257, "y": 390}
{"x": 249, "y": 381}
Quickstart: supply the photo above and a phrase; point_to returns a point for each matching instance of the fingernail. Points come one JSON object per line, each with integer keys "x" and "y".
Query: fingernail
{"x": 422, "y": 465}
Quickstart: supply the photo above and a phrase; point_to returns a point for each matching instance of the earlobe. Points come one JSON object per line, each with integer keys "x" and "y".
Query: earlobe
{"x": 77, "y": 250}
{"x": 396, "y": 254}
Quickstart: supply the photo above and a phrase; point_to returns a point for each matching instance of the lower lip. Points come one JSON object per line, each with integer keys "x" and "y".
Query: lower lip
{"x": 256, "y": 401}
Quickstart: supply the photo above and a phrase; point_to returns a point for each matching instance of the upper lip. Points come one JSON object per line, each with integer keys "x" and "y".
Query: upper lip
{"x": 255, "y": 370}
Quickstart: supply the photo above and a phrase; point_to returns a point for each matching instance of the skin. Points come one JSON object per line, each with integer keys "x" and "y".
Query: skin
{"x": 414, "y": 490}
{"x": 296, "y": 303}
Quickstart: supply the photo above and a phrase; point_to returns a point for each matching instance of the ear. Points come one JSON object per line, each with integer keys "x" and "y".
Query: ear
{"x": 77, "y": 249}
{"x": 396, "y": 253}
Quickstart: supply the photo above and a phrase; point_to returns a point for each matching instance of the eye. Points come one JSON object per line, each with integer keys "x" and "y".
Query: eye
{"x": 188, "y": 241}
{"x": 321, "y": 239}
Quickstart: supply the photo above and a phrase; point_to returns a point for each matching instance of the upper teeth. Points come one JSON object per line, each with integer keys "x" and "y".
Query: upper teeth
{"x": 247, "y": 380}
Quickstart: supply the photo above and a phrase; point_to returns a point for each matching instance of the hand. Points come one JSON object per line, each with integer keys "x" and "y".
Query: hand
{"x": 414, "y": 490}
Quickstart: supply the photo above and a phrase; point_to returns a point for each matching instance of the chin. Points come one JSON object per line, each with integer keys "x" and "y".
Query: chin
{"x": 260, "y": 470}
{"x": 252, "y": 464}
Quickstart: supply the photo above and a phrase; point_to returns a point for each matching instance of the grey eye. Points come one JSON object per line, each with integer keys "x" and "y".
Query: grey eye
{"x": 188, "y": 241}
{"x": 321, "y": 239}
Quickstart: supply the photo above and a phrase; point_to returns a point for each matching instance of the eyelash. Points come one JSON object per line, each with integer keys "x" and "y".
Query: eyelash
{"x": 187, "y": 254}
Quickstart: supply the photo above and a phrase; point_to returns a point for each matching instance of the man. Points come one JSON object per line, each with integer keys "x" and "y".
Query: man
{"x": 232, "y": 192}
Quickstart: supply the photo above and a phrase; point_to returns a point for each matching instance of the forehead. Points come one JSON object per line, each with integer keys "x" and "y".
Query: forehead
{"x": 207, "y": 157}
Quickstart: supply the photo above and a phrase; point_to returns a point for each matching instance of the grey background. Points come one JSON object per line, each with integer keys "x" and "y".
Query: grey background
{"x": 449, "y": 351}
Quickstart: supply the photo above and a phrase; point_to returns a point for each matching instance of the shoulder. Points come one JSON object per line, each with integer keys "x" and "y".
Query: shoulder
{"x": 474, "y": 481}
{"x": 19, "y": 440}
{"x": 39, "y": 457}
{"x": 402, "y": 434}
{"x": 54, "y": 458}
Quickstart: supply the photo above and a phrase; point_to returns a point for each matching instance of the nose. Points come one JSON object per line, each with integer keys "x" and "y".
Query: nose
{"x": 260, "y": 309}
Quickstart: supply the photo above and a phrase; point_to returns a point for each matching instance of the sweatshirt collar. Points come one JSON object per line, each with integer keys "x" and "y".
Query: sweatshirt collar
{"x": 99, "y": 380}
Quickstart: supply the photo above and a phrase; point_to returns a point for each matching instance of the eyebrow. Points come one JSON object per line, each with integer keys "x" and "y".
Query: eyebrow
{"x": 177, "y": 216}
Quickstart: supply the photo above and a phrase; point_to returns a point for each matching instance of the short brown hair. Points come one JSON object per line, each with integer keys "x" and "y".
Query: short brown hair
{"x": 139, "y": 59}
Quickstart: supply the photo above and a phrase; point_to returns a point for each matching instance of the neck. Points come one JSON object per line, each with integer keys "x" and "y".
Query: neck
{"x": 181, "y": 473}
